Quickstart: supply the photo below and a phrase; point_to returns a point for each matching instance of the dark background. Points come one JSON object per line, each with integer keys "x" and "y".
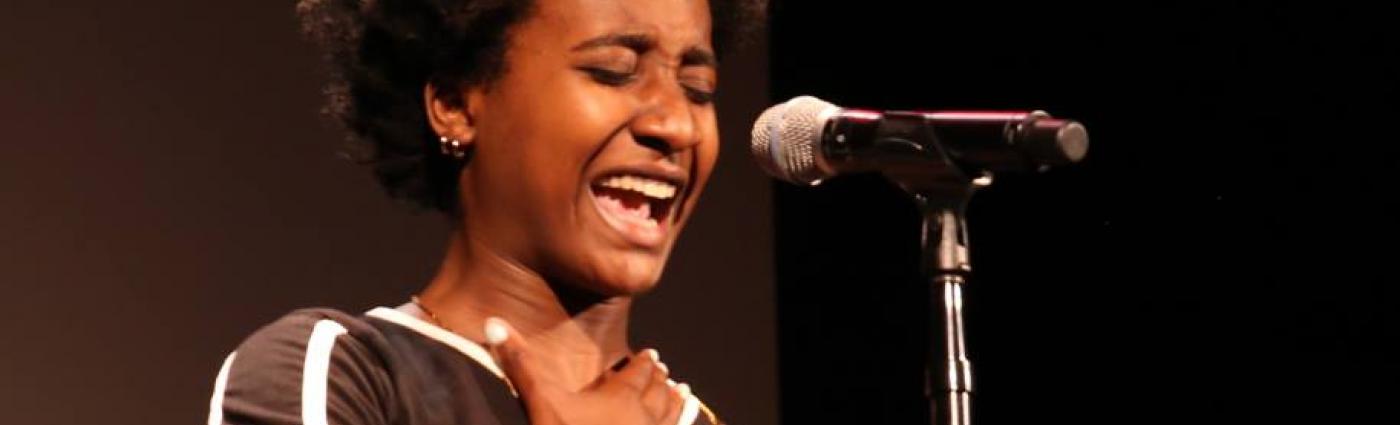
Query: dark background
{"x": 1221, "y": 256}
{"x": 166, "y": 186}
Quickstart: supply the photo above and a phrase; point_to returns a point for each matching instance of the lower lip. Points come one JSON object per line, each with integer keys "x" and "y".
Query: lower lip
{"x": 649, "y": 235}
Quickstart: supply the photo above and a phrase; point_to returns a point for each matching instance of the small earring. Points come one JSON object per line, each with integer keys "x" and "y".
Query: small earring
{"x": 452, "y": 147}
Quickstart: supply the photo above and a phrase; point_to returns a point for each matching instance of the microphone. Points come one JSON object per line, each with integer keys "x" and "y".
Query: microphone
{"x": 806, "y": 140}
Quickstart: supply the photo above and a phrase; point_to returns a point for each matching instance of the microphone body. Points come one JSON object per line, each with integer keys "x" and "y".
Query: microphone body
{"x": 807, "y": 140}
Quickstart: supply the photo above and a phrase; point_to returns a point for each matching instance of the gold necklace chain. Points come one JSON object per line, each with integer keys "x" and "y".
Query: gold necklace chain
{"x": 419, "y": 303}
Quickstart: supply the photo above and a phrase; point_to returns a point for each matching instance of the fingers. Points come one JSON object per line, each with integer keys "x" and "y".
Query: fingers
{"x": 676, "y": 404}
{"x": 648, "y": 378}
{"x": 657, "y": 397}
{"x": 638, "y": 373}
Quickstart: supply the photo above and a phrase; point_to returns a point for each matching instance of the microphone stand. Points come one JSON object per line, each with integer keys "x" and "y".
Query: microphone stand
{"x": 945, "y": 259}
{"x": 946, "y": 265}
{"x": 942, "y": 189}
{"x": 942, "y": 174}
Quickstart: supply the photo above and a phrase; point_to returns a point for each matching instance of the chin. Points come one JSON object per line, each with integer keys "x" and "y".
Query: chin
{"x": 630, "y": 275}
{"x": 607, "y": 277}
{"x": 631, "y": 286}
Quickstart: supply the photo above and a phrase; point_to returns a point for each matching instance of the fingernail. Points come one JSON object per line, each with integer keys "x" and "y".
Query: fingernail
{"x": 655, "y": 355}
{"x": 496, "y": 332}
{"x": 684, "y": 389}
{"x": 670, "y": 383}
{"x": 662, "y": 366}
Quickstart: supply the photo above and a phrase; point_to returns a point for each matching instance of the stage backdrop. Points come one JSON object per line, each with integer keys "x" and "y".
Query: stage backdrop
{"x": 1224, "y": 254}
{"x": 167, "y": 186}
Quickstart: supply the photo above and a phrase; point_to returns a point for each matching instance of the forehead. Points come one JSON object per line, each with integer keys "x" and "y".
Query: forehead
{"x": 674, "y": 23}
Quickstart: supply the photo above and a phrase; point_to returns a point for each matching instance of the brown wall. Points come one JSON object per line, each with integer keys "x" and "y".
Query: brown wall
{"x": 166, "y": 186}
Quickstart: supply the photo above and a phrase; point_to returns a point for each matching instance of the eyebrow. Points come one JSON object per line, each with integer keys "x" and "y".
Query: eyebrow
{"x": 634, "y": 41}
{"x": 643, "y": 43}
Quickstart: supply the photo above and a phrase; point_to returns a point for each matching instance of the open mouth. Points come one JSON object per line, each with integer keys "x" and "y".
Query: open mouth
{"x": 637, "y": 206}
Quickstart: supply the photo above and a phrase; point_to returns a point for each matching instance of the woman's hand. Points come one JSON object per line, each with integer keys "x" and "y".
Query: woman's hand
{"x": 638, "y": 393}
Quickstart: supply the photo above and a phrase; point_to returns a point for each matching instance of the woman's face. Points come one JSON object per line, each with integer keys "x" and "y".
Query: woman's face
{"x": 593, "y": 145}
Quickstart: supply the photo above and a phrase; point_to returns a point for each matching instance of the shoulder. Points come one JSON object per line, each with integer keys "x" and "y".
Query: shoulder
{"x": 297, "y": 329}
{"x": 308, "y": 339}
{"x": 308, "y": 366}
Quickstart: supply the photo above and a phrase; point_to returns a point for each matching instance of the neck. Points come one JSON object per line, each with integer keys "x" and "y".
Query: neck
{"x": 579, "y": 336}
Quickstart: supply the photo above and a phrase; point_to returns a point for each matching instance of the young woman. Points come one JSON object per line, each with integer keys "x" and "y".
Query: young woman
{"x": 568, "y": 141}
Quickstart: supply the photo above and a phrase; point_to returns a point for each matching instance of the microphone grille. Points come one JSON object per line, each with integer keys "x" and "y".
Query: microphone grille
{"x": 786, "y": 139}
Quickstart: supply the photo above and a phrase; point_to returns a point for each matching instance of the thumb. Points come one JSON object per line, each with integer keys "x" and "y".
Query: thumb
{"x": 513, "y": 353}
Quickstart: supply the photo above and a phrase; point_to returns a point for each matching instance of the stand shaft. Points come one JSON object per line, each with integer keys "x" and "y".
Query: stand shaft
{"x": 950, "y": 372}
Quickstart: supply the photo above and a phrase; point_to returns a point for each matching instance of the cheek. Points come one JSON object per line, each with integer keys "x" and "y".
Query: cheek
{"x": 569, "y": 129}
{"x": 581, "y": 118}
{"x": 555, "y": 136}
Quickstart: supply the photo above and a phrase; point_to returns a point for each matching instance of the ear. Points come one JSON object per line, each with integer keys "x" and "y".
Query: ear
{"x": 452, "y": 118}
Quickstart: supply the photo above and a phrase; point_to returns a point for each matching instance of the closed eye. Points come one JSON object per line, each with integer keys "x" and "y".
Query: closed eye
{"x": 699, "y": 84}
{"x": 609, "y": 76}
{"x": 699, "y": 96}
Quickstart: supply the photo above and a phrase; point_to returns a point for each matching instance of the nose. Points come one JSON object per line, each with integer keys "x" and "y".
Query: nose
{"x": 666, "y": 121}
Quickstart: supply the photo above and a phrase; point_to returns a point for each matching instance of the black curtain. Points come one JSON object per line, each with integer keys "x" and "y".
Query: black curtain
{"x": 1220, "y": 256}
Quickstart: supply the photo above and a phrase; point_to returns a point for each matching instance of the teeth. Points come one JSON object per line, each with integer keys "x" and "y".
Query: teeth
{"x": 651, "y": 188}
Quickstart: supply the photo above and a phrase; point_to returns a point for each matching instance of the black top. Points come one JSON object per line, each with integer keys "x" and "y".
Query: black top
{"x": 322, "y": 366}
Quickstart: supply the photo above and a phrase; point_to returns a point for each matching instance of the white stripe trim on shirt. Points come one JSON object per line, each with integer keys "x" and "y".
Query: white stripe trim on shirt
{"x": 470, "y": 349}
{"x": 216, "y": 401}
{"x": 315, "y": 372}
